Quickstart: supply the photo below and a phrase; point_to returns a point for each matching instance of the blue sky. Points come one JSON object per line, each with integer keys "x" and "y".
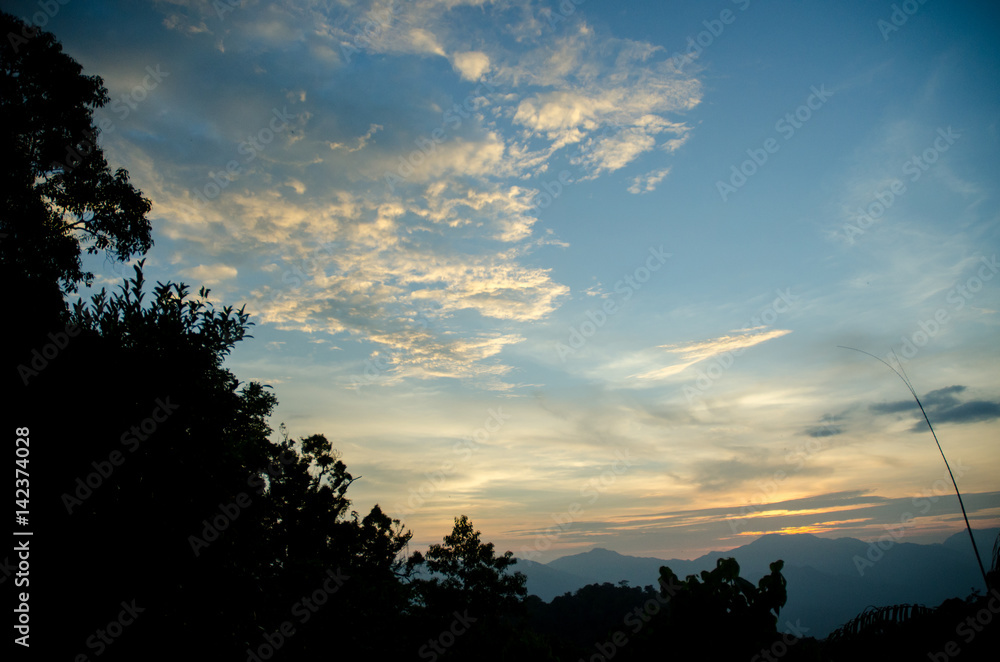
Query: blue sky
{"x": 580, "y": 271}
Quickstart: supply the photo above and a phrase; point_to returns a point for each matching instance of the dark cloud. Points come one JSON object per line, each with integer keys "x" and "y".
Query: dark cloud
{"x": 943, "y": 406}
{"x": 943, "y": 397}
{"x": 894, "y": 407}
{"x": 824, "y": 431}
{"x": 969, "y": 412}
{"x": 828, "y": 426}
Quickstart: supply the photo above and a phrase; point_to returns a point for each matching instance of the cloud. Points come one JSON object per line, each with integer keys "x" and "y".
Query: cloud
{"x": 942, "y": 406}
{"x": 210, "y": 274}
{"x": 968, "y": 412}
{"x": 774, "y": 516}
{"x": 695, "y": 352}
{"x": 824, "y": 431}
{"x": 610, "y": 97}
{"x": 471, "y": 64}
{"x": 647, "y": 183}
{"x": 324, "y": 245}
{"x": 423, "y": 41}
{"x": 362, "y": 140}
{"x": 750, "y": 464}
{"x": 854, "y": 513}
{"x": 830, "y": 500}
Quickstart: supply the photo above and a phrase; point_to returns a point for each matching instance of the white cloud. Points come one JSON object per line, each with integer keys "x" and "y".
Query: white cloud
{"x": 471, "y": 64}
{"x": 210, "y": 274}
{"x": 450, "y": 242}
{"x": 695, "y": 352}
{"x": 647, "y": 183}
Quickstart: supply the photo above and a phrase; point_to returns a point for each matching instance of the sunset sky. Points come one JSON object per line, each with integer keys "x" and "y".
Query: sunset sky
{"x": 588, "y": 262}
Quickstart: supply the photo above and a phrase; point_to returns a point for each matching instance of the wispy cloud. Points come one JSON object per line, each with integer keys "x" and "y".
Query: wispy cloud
{"x": 362, "y": 141}
{"x": 455, "y": 233}
{"x": 698, "y": 351}
{"x": 647, "y": 183}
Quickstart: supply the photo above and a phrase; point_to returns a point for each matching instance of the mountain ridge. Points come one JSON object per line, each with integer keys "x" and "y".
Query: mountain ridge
{"x": 830, "y": 580}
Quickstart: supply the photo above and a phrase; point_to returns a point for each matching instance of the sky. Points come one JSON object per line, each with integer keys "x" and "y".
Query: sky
{"x": 582, "y": 270}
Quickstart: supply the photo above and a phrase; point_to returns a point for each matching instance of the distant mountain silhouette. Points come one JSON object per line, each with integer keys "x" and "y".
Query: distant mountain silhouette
{"x": 825, "y": 586}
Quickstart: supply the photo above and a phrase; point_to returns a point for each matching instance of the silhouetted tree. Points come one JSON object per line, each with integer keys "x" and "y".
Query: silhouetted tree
{"x": 469, "y": 571}
{"x": 176, "y": 497}
{"x": 471, "y": 606}
{"x": 578, "y": 625}
{"x": 58, "y": 187}
{"x": 303, "y": 531}
{"x": 719, "y": 614}
{"x": 142, "y": 482}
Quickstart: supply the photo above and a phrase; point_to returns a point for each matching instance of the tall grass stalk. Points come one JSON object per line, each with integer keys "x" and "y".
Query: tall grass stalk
{"x": 906, "y": 381}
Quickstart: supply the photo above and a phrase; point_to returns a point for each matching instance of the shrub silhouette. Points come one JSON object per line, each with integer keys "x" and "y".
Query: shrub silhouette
{"x": 719, "y": 613}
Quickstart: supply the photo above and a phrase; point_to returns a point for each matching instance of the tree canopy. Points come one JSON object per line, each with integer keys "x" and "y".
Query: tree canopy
{"x": 60, "y": 195}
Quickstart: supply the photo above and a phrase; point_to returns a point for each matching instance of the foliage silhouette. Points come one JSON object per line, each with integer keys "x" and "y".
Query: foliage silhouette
{"x": 911, "y": 632}
{"x": 226, "y": 576}
{"x": 468, "y": 580}
{"x": 877, "y": 621}
{"x": 720, "y": 601}
{"x": 59, "y": 188}
{"x": 470, "y": 572}
{"x": 574, "y": 622}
